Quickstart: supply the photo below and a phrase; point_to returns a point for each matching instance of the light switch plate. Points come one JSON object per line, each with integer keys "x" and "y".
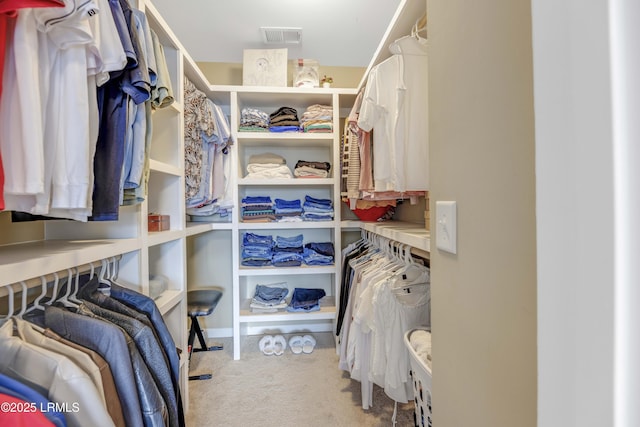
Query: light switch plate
{"x": 446, "y": 226}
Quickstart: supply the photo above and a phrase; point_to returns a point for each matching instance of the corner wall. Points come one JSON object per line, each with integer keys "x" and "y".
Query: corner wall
{"x": 482, "y": 150}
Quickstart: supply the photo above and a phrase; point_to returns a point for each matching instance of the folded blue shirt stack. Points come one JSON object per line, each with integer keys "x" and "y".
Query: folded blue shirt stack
{"x": 305, "y": 300}
{"x": 317, "y": 209}
{"x": 257, "y": 208}
{"x": 287, "y": 208}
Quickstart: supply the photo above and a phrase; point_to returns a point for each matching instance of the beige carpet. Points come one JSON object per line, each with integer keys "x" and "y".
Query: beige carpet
{"x": 284, "y": 391}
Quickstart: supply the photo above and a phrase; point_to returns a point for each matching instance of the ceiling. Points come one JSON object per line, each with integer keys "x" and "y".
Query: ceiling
{"x": 334, "y": 32}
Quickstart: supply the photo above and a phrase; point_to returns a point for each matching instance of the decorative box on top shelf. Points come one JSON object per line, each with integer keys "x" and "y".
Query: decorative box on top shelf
{"x": 264, "y": 67}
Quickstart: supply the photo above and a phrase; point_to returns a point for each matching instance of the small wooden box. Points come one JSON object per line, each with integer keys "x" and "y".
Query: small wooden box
{"x": 158, "y": 222}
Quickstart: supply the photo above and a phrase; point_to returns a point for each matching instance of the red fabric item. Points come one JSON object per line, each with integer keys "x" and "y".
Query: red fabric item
{"x": 8, "y": 11}
{"x": 10, "y": 6}
{"x": 372, "y": 213}
{"x": 3, "y": 42}
{"x": 18, "y": 413}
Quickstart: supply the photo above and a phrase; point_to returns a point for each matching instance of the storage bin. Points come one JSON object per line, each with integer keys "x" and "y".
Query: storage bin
{"x": 421, "y": 379}
{"x": 158, "y": 222}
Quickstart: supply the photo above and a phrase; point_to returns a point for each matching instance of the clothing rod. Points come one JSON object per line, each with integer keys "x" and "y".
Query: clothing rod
{"x": 36, "y": 281}
{"x": 420, "y": 253}
{"x": 415, "y": 251}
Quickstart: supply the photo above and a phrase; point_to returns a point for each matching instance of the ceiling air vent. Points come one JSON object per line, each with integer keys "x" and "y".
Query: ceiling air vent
{"x": 280, "y": 35}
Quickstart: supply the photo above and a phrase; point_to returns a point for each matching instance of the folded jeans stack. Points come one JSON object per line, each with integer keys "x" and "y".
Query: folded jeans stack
{"x": 318, "y": 253}
{"x": 288, "y": 251}
{"x": 305, "y": 300}
{"x": 317, "y": 209}
{"x": 269, "y": 298}
{"x": 257, "y": 250}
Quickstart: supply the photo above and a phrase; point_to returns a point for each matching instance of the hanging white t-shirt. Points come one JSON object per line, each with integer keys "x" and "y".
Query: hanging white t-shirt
{"x": 21, "y": 110}
{"x": 69, "y": 38}
{"x": 379, "y": 113}
{"x": 412, "y": 129}
{"x": 395, "y": 108}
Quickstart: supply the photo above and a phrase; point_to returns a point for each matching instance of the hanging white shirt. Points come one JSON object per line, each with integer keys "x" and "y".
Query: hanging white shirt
{"x": 412, "y": 129}
{"x": 379, "y": 113}
{"x": 395, "y": 108}
{"x": 69, "y": 38}
{"x": 21, "y": 116}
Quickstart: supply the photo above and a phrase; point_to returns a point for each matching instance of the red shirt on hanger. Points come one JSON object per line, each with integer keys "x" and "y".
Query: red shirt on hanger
{"x": 16, "y": 412}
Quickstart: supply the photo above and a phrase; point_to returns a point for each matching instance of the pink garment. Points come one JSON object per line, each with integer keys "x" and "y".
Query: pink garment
{"x": 21, "y": 414}
{"x": 366, "y": 165}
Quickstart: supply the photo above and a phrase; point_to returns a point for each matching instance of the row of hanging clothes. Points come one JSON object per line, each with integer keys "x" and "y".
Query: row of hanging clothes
{"x": 207, "y": 156}
{"x": 87, "y": 351}
{"x": 79, "y": 83}
{"x": 385, "y": 143}
{"x": 385, "y": 291}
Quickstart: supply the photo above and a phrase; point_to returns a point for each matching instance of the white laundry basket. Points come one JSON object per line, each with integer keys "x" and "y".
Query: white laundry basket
{"x": 421, "y": 378}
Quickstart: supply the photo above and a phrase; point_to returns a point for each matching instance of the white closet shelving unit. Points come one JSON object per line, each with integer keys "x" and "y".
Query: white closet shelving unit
{"x": 296, "y": 146}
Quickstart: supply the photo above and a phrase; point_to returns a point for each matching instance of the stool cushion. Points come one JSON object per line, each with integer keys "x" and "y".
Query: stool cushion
{"x": 202, "y": 302}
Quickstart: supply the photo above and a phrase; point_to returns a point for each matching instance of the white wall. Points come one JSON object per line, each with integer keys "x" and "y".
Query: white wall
{"x": 625, "y": 66}
{"x": 575, "y": 213}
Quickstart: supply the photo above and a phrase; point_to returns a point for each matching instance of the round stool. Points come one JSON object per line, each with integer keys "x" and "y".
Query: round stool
{"x": 201, "y": 302}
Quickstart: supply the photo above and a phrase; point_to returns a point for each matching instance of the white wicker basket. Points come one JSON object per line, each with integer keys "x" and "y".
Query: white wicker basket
{"x": 421, "y": 378}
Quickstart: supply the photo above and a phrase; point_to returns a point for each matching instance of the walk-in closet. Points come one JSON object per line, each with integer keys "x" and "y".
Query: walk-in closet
{"x": 179, "y": 247}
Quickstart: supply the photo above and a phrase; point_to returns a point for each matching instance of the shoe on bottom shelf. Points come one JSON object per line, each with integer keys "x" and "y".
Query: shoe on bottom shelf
{"x": 266, "y": 345}
{"x": 295, "y": 344}
{"x": 308, "y": 344}
{"x": 279, "y": 345}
